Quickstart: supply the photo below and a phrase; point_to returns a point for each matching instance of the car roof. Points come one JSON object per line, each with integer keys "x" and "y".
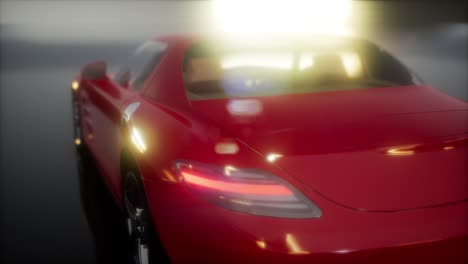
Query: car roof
{"x": 187, "y": 39}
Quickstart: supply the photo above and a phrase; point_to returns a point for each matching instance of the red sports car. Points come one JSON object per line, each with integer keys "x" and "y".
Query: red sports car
{"x": 325, "y": 150}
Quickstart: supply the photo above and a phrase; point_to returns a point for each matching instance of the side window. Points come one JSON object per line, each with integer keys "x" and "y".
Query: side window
{"x": 383, "y": 66}
{"x": 142, "y": 62}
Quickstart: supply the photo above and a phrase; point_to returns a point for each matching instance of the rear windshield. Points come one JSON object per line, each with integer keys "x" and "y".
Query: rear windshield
{"x": 214, "y": 71}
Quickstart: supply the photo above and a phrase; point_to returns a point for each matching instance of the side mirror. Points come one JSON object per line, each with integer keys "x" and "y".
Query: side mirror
{"x": 94, "y": 71}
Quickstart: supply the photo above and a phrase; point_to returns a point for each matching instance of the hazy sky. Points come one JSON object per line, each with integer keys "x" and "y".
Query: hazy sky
{"x": 96, "y": 21}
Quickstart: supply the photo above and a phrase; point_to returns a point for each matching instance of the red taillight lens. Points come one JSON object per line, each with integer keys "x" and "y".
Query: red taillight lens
{"x": 232, "y": 187}
{"x": 246, "y": 190}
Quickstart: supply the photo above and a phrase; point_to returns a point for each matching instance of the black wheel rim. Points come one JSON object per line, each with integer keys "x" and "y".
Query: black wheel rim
{"x": 137, "y": 225}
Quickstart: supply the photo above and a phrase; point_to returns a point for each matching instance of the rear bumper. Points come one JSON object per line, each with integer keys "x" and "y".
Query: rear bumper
{"x": 193, "y": 230}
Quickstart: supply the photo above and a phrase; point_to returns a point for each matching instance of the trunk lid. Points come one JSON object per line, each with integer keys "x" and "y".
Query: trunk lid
{"x": 379, "y": 149}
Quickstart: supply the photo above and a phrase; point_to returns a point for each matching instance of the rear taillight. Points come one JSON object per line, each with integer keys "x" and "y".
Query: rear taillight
{"x": 246, "y": 190}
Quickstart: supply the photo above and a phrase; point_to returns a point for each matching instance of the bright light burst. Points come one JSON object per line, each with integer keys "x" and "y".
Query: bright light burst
{"x": 330, "y": 17}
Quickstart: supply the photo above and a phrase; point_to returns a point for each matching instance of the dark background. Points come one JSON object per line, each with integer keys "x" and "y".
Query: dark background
{"x": 49, "y": 212}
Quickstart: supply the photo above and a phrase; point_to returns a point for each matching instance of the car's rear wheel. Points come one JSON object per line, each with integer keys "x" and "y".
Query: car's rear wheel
{"x": 144, "y": 247}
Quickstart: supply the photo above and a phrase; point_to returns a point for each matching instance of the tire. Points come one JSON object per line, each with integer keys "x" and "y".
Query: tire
{"x": 144, "y": 245}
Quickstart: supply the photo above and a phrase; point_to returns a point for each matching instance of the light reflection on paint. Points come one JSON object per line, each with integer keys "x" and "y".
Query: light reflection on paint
{"x": 137, "y": 140}
{"x": 293, "y": 245}
{"x": 261, "y": 244}
{"x": 342, "y": 251}
{"x": 228, "y": 169}
{"x": 129, "y": 110}
{"x": 244, "y": 107}
{"x": 75, "y": 85}
{"x": 168, "y": 176}
{"x": 448, "y": 147}
{"x": 226, "y": 148}
{"x": 241, "y": 202}
{"x": 272, "y": 157}
{"x": 400, "y": 151}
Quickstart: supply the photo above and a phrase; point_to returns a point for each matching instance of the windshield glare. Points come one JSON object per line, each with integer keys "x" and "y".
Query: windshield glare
{"x": 247, "y": 72}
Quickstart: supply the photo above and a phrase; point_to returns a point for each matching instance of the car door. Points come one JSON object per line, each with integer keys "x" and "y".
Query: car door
{"x": 111, "y": 97}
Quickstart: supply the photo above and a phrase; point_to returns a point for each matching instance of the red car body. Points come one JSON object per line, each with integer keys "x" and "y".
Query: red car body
{"x": 397, "y": 193}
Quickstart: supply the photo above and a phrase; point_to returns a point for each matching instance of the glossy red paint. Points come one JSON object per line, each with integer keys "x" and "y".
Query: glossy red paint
{"x": 386, "y": 166}
{"x": 348, "y": 138}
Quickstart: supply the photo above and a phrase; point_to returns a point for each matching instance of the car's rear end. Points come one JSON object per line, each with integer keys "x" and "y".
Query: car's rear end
{"x": 195, "y": 229}
{"x": 328, "y": 153}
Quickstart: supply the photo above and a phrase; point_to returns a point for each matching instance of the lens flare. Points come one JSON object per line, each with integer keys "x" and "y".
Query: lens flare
{"x": 292, "y": 16}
